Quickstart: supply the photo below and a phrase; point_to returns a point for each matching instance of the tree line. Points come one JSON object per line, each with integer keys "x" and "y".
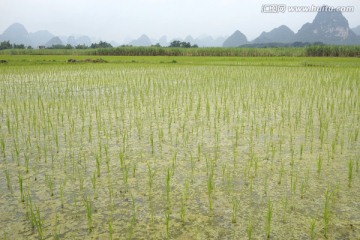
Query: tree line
{"x": 102, "y": 44}
{"x": 7, "y": 45}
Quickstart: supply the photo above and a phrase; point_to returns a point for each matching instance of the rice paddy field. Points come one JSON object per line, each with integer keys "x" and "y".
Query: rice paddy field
{"x": 179, "y": 148}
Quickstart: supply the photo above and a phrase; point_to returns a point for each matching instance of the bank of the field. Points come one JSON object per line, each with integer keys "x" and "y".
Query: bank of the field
{"x": 54, "y": 60}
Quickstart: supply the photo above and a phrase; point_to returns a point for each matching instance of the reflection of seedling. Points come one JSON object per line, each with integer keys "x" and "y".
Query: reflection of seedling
{"x": 111, "y": 230}
{"x": 249, "y": 229}
{"x": 281, "y": 172}
{"x": 168, "y": 179}
{"x": 97, "y": 165}
{"x": 134, "y": 170}
{"x": 235, "y": 207}
{"x": 152, "y": 142}
{"x": 3, "y": 147}
{"x": 151, "y": 175}
{"x": 268, "y": 219}
{"x": 93, "y": 181}
{"x": 305, "y": 183}
{"x": 89, "y": 207}
{"x": 22, "y": 198}
{"x": 39, "y": 223}
{"x": 133, "y": 206}
{"x": 210, "y": 184}
{"x": 284, "y": 211}
{"x": 50, "y": 183}
{"x": 125, "y": 172}
{"x": 7, "y": 176}
{"x": 350, "y": 174}
{"x": 228, "y": 181}
{"x": 183, "y": 208}
{"x": 312, "y": 228}
{"x": 328, "y": 195}
{"x": 319, "y": 165}
{"x": 62, "y": 193}
{"x": 192, "y": 162}
{"x": 167, "y": 222}
{"x": 26, "y": 159}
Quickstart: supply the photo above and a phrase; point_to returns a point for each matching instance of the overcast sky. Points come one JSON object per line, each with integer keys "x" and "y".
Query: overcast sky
{"x": 123, "y": 19}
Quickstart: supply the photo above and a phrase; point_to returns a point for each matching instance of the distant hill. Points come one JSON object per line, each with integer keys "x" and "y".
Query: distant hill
{"x": 142, "y": 41}
{"x": 356, "y": 30}
{"x": 235, "y": 40}
{"x": 40, "y": 38}
{"x": 329, "y": 27}
{"x": 163, "y": 41}
{"x": 209, "y": 41}
{"x": 83, "y": 40}
{"x": 16, "y": 33}
{"x": 54, "y": 41}
{"x": 202, "y": 41}
{"x": 190, "y": 39}
{"x": 282, "y": 34}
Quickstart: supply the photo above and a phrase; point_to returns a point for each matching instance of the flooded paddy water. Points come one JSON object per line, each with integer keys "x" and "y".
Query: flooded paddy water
{"x": 136, "y": 151}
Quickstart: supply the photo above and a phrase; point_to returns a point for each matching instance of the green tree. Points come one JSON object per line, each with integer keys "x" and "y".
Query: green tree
{"x": 101, "y": 44}
{"x": 5, "y": 45}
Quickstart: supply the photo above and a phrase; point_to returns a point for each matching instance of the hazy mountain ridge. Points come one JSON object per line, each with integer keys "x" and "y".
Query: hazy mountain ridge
{"x": 235, "y": 40}
{"x": 327, "y": 27}
{"x": 17, "y": 33}
{"x": 201, "y": 41}
{"x": 356, "y": 30}
{"x": 280, "y": 34}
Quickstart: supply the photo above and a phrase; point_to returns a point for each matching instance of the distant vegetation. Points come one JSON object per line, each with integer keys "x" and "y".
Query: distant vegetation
{"x": 182, "y": 44}
{"x": 178, "y": 48}
{"x": 7, "y": 45}
{"x": 332, "y": 51}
